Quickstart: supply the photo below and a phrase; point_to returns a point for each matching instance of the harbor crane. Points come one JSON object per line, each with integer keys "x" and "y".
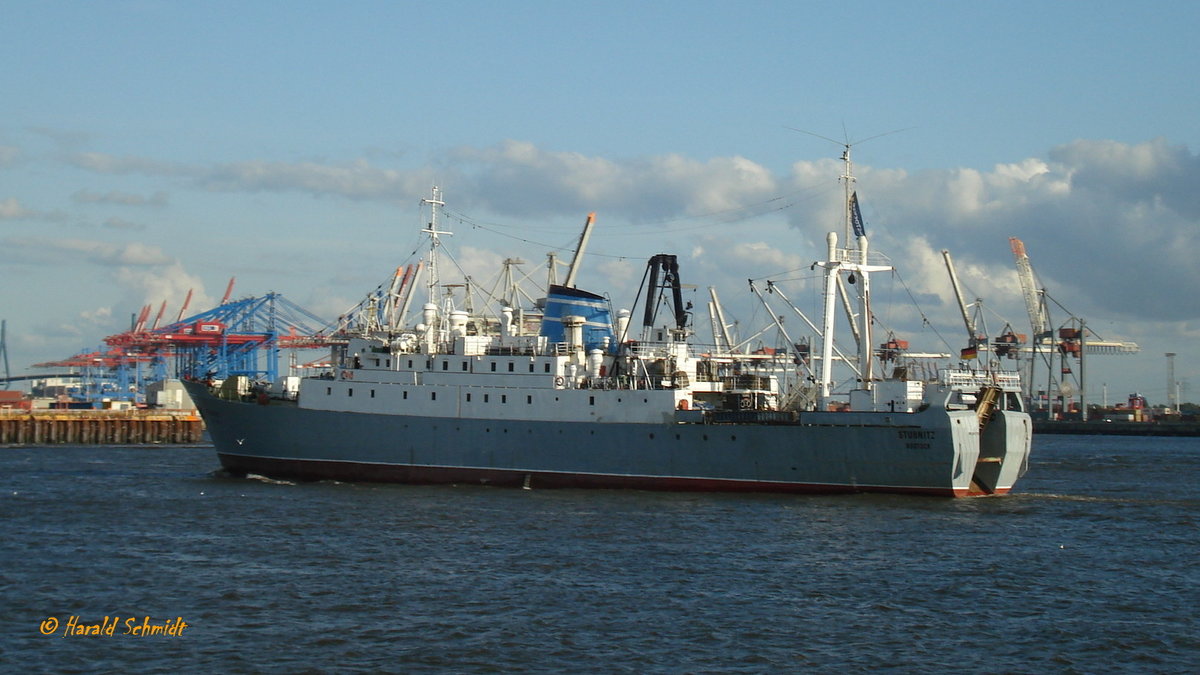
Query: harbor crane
{"x": 1006, "y": 345}
{"x": 1072, "y": 340}
{"x": 225, "y": 341}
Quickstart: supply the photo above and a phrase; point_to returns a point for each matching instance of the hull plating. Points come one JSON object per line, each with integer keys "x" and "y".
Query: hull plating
{"x": 929, "y": 453}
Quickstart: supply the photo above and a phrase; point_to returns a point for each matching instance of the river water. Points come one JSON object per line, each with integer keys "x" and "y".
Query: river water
{"x": 1091, "y": 566}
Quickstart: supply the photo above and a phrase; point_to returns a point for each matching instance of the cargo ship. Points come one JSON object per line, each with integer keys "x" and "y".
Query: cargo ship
{"x": 585, "y": 399}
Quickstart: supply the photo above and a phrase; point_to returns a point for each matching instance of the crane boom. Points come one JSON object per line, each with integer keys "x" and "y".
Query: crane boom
{"x": 962, "y": 303}
{"x": 161, "y": 308}
{"x": 579, "y": 249}
{"x": 720, "y": 328}
{"x": 228, "y": 291}
{"x": 186, "y": 301}
{"x": 1037, "y": 314}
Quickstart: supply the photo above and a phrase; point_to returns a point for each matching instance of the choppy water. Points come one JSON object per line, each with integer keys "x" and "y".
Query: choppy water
{"x": 1091, "y": 567}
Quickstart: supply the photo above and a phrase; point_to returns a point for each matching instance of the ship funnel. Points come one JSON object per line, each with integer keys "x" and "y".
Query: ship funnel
{"x": 574, "y": 335}
{"x": 562, "y": 302}
{"x": 506, "y": 319}
{"x": 458, "y": 323}
{"x": 622, "y": 324}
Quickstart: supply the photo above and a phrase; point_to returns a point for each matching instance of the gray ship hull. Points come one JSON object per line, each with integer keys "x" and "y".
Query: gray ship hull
{"x": 935, "y": 452}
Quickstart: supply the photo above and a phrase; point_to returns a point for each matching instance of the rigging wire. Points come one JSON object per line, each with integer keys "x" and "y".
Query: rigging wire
{"x": 734, "y": 215}
{"x": 924, "y": 319}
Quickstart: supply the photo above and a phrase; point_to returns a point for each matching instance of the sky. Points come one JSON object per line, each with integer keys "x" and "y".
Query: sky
{"x": 151, "y": 148}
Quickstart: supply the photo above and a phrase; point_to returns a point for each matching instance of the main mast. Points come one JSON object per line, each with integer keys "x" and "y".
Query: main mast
{"x": 848, "y": 187}
{"x": 435, "y": 202}
{"x": 854, "y": 262}
{"x": 430, "y": 314}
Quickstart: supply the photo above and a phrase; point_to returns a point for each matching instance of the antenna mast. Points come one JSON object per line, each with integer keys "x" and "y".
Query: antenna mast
{"x": 435, "y": 203}
{"x": 848, "y": 184}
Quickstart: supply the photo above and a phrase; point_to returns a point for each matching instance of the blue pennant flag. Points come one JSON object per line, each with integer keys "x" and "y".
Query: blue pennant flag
{"x": 856, "y": 219}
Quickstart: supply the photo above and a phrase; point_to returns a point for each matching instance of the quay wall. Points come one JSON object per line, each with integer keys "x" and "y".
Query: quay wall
{"x": 99, "y": 427}
{"x": 1102, "y": 428}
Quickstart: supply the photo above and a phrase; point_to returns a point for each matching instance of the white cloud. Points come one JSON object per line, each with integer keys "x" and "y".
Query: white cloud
{"x": 169, "y": 281}
{"x": 519, "y": 179}
{"x": 111, "y": 164}
{"x": 68, "y": 252}
{"x": 119, "y": 198}
{"x": 355, "y": 180}
{"x": 10, "y": 155}
{"x": 11, "y": 209}
{"x": 122, "y": 224}
{"x": 1091, "y": 212}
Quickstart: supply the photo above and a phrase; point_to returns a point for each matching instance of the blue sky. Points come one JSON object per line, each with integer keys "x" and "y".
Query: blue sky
{"x": 151, "y": 147}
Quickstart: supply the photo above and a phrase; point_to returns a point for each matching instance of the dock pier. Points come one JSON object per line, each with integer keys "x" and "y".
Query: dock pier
{"x": 100, "y": 427}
